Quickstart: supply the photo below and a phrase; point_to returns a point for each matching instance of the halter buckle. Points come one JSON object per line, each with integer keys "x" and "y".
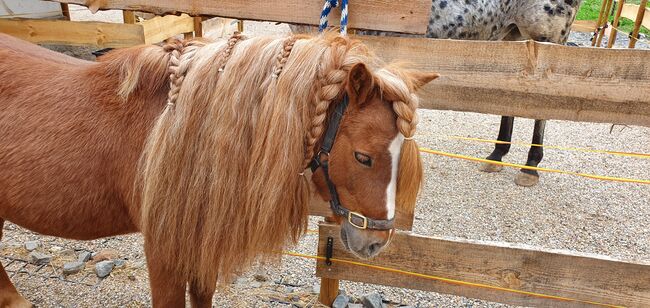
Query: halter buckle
{"x": 357, "y": 215}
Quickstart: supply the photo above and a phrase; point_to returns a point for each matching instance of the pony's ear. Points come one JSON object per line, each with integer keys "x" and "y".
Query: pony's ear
{"x": 420, "y": 79}
{"x": 360, "y": 83}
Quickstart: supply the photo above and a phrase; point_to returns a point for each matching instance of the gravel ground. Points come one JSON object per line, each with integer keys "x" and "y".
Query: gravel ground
{"x": 562, "y": 212}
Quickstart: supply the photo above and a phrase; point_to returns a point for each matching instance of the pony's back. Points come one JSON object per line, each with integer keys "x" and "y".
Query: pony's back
{"x": 67, "y": 137}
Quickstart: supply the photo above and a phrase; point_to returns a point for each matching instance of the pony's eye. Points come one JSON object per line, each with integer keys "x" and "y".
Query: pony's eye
{"x": 363, "y": 159}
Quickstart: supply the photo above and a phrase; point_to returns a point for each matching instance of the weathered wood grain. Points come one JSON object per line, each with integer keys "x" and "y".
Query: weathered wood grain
{"x": 161, "y": 28}
{"x": 74, "y": 32}
{"x": 408, "y": 16}
{"x": 528, "y": 79}
{"x": 551, "y": 272}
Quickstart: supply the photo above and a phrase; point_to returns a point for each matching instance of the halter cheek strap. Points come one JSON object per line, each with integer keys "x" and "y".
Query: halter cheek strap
{"x": 355, "y": 219}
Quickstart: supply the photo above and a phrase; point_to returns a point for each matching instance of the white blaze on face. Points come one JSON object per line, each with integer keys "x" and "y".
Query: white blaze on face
{"x": 391, "y": 191}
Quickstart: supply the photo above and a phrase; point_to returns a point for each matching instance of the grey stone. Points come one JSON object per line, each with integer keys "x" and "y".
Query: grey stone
{"x": 32, "y": 245}
{"x": 104, "y": 268}
{"x": 341, "y": 301}
{"x": 351, "y": 305}
{"x": 55, "y": 249}
{"x": 315, "y": 288}
{"x": 372, "y": 300}
{"x": 255, "y": 284}
{"x": 73, "y": 267}
{"x": 119, "y": 263}
{"x": 84, "y": 256}
{"x": 241, "y": 281}
{"x": 67, "y": 253}
{"x": 39, "y": 258}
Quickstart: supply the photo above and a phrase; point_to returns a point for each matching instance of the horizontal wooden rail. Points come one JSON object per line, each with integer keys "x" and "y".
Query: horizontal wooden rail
{"x": 100, "y": 34}
{"x": 161, "y": 28}
{"x": 583, "y": 277}
{"x": 408, "y": 16}
{"x": 78, "y": 33}
{"x": 528, "y": 79}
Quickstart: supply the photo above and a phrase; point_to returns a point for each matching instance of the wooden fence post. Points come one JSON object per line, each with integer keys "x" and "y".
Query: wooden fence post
{"x": 637, "y": 23}
{"x": 601, "y": 33}
{"x": 329, "y": 288}
{"x": 613, "y": 33}
{"x": 129, "y": 17}
{"x": 65, "y": 10}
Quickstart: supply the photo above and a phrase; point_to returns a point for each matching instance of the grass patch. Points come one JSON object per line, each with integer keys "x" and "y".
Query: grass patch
{"x": 590, "y": 9}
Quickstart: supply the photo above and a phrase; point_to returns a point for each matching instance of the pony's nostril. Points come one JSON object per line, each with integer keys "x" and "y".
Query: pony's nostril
{"x": 374, "y": 248}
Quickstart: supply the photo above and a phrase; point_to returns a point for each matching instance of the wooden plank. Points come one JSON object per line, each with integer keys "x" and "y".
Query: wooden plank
{"x": 408, "y": 16}
{"x": 630, "y": 11}
{"x": 552, "y": 272}
{"x": 329, "y": 290}
{"x": 31, "y": 9}
{"x": 129, "y": 17}
{"x": 161, "y": 28}
{"x": 528, "y": 79}
{"x": 74, "y": 32}
{"x": 198, "y": 26}
{"x": 318, "y": 207}
{"x": 587, "y": 26}
{"x": 65, "y": 10}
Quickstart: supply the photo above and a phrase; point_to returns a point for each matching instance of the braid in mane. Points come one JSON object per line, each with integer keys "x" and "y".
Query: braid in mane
{"x": 236, "y": 37}
{"x": 181, "y": 55}
{"x": 405, "y": 104}
{"x": 335, "y": 65}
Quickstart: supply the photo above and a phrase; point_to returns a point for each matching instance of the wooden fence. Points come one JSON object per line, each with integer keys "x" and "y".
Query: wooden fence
{"x": 527, "y": 79}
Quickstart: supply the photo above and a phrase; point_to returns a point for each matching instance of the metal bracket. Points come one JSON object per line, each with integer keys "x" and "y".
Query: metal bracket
{"x": 329, "y": 251}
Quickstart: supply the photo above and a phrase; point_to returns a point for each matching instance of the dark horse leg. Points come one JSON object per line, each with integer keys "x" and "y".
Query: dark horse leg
{"x": 9, "y": 296}
{"x": 500, "y": 149}
{"x": 527, "y": 177}
{"x": 167, "y": 290}
{"x": 201, "y": 298}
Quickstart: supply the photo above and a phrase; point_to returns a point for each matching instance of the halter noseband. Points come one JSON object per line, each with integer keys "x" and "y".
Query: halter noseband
{"x": 355, "y": 219}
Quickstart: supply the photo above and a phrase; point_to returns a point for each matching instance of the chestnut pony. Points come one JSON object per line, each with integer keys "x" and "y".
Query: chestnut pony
{"x": 202, "y": 147}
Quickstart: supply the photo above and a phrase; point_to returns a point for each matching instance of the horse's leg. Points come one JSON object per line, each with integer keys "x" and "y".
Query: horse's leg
{"x": 500, "y": 149}
{"x": 200, "y": 297}
{"x": 9, "y": 296}
{"x": 167, "y": 290}
{"x": 527, "y": 177}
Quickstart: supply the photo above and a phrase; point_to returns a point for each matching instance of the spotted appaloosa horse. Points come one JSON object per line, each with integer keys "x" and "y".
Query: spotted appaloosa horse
{"x": 508, "y": 20}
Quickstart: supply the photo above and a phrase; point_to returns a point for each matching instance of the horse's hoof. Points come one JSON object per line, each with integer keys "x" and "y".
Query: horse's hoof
{"x": 526, "y": 179}
{"x": 487, "y": 167}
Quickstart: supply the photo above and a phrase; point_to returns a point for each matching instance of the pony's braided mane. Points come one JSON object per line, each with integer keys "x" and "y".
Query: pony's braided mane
{"x": 236, "y": 37}
{"x": 218, "y": 175}
{"x": 335, "y": 65}
{"x": 396, "y": 87}
{"x": 283, "y": 55}
{"x": 181, "y": 54}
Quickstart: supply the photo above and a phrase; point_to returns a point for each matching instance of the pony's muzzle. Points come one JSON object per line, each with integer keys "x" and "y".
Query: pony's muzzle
{"x": 363, "y": 243}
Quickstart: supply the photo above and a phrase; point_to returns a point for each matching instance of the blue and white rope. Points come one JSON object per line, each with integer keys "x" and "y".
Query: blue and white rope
{"x": 327, "y": 8}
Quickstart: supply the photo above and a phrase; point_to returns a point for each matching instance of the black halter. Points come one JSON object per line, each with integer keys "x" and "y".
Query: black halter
{"x": 357, "y": 220}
